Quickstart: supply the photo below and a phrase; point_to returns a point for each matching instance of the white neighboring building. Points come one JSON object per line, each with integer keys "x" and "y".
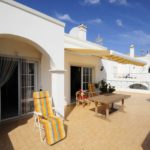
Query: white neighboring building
{"x": 129, "y": 77}
{"x": 45, "y": 58}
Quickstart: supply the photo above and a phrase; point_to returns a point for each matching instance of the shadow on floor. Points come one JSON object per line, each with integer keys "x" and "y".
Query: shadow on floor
{"x": 66, "y": 129}
{"x": 148, "y": 99}
{"x": 5, "y": 128}
{"x": 101, "y": 109}
{"x": 146, "y": 142}
{"x": 68, "y": 110}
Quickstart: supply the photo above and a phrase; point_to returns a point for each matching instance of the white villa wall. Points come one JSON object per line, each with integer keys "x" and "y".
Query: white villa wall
{"x": 47, "y": 35}
{"x": 41, "y": 31}
{"x": 109, "y": 67}
{"x": 83, "y": 61}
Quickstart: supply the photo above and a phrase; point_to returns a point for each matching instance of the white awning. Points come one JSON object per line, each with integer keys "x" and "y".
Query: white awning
{"x": 108, "y": 54}
{"x": 124, "y": 59}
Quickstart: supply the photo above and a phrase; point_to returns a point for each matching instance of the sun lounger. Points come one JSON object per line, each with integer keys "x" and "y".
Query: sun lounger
{"x": 46, "y": 119}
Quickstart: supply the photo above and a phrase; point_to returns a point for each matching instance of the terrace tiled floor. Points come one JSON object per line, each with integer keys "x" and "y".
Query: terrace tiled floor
{"x": 85, "y": 131}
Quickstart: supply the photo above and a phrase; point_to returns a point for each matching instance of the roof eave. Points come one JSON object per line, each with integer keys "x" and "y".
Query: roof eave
{"x": 34, "y": 12}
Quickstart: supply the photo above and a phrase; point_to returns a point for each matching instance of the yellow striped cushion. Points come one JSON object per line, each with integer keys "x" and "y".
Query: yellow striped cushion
{"x": 44, "y": 107}
{"x": 54, "y": 130}
{"x": 48, "y": 131}
{"x": 36, "y": 99}
{"x": 46, "y": 93}
{"x": 46, "y": 104}
{"x": 60, "y": 127}
{"x": 49, "y": 107}
{"x": 43, "y": 94}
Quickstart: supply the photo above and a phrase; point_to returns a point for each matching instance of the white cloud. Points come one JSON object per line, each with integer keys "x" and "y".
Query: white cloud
{"x": 95, "y": 21}
{"x": 65, "y": 17}
{"x": 119, "y": 23}
{"x": 119, "y": 2}
{"x": 112, "y": 1}
{"x": 137, "y": 37}
{"x": 91, "y": 2}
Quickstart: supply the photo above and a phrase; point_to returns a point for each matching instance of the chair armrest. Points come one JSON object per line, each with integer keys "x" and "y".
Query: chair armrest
{"x": 58, "y": 113}
{"x": 37, "y": 113}
{"x": 53, "y": 108}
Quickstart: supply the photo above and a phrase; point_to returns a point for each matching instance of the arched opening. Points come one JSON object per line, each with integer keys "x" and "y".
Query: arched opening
{"x": 138, "y": 86}
{"x": 25, "y": 76}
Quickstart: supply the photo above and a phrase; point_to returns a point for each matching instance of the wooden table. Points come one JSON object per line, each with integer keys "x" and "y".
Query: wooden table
{"x": 107, "y": 99}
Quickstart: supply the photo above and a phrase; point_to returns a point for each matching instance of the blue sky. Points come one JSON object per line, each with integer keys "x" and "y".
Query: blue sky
{"x": 119, "y": 22}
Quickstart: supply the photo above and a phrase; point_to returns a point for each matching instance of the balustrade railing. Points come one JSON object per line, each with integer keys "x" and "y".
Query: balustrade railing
{"x": 131, "y": 84}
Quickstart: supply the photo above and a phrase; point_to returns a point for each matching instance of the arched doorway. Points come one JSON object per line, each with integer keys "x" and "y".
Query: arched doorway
{"x": 138, "y": 86}
{"x": 22, "y": 77}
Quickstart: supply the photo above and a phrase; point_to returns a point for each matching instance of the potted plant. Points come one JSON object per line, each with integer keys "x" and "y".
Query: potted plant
{"x": 104, "y": 87}
{"x": 110, "y": 88}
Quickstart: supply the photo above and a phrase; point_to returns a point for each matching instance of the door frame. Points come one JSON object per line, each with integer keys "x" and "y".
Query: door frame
{"x": 72, "y": 102}
{"x": 82, "y": 66}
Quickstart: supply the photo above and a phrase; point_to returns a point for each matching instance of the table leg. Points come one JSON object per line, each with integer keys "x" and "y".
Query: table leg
{"x": 107, "y": 111}
{"x": 112, "y": 106}
{"x": 122, "y": 105}
{"x": 96, "y": 107}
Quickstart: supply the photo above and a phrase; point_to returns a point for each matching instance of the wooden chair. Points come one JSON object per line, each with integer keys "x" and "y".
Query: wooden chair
{"x": 45, "y": 118}
{"x": 82, "y": 97}
{"x": 92, "y": 90}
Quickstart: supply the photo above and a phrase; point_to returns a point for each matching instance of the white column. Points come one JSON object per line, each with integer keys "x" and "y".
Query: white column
{"x": 57, "y": 89}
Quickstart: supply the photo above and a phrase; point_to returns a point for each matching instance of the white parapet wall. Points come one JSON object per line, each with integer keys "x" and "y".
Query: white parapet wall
{"x": 132, "y": 90}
